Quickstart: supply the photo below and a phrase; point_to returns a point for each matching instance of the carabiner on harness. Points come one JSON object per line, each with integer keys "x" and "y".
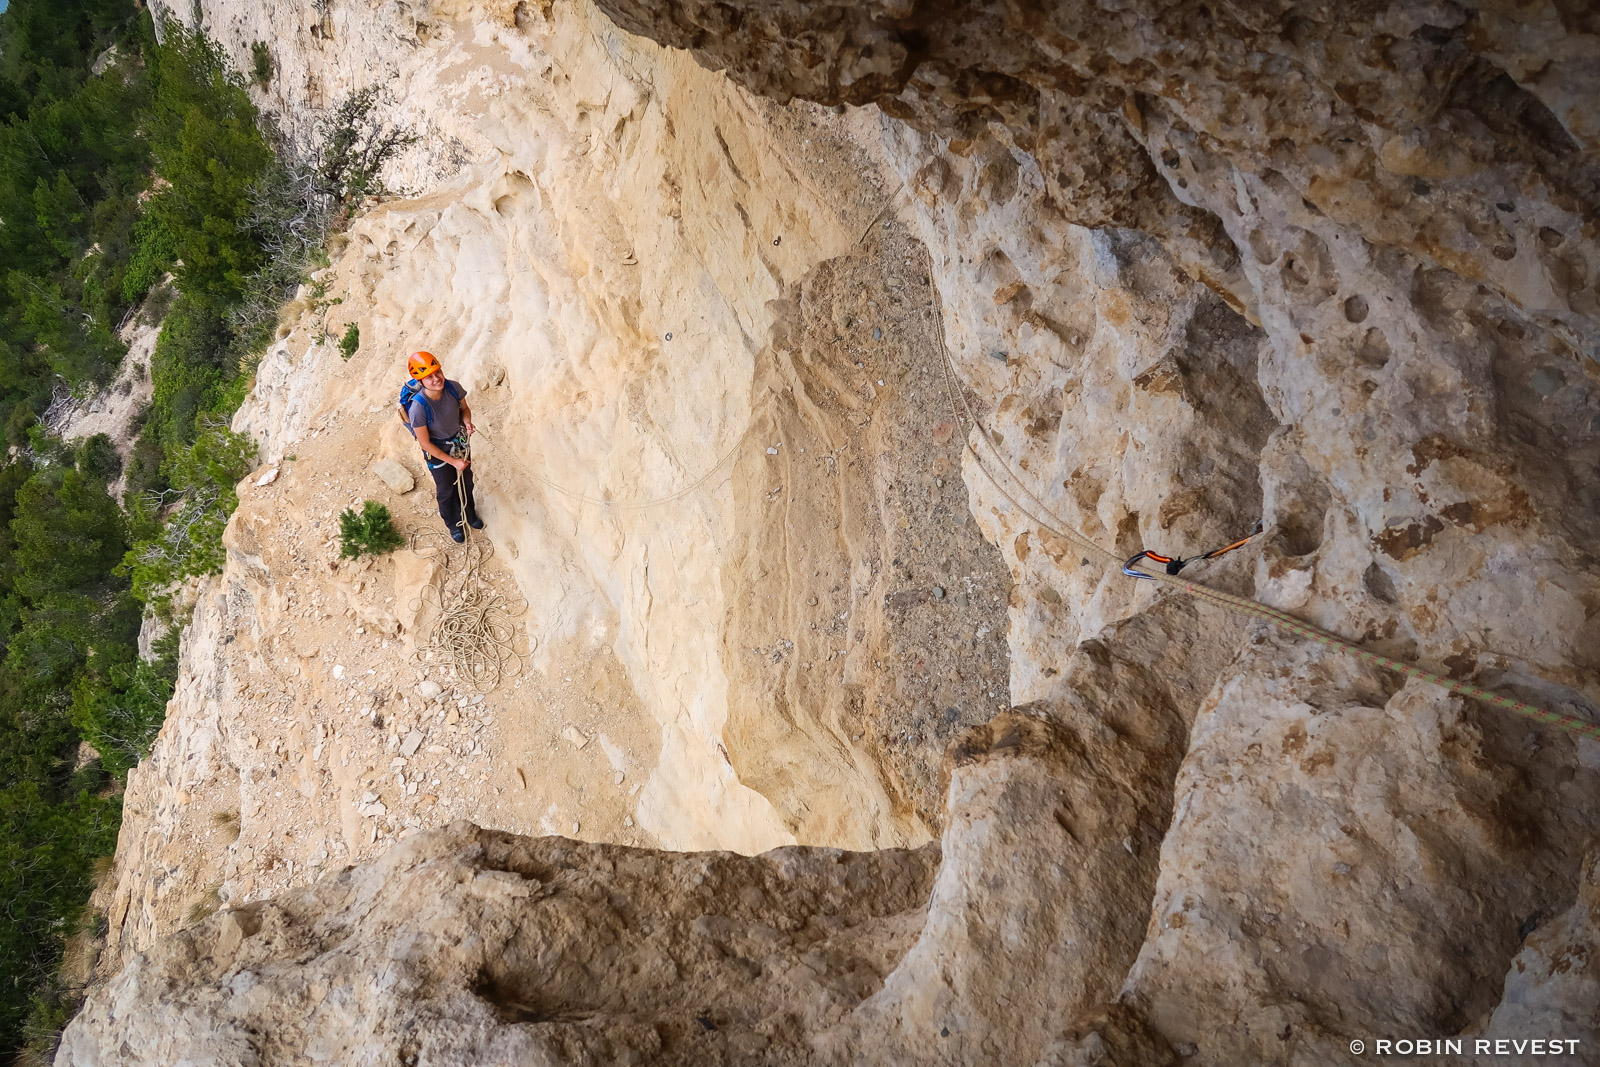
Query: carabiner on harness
{"x": 1174, "y": 564}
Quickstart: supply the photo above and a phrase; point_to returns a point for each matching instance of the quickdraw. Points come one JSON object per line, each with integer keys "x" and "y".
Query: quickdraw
{"x": 1174, "y": 564}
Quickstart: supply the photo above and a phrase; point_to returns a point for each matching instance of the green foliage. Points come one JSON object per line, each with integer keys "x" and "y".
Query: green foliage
{"x": 357, "y": 147}
{"x": 120, "y": 701}
{"x": 207, "y": 144}
{"x": 144, "y": 467}
{"x": 154, "y": 251}
{"x": 69, "y": 533}
{"x": 66, "y": 621}
{"x": 108, "y": 181}
{"x": 48, "y": 843}
{"x": 367, "y": 532}
{"x": 180, "y": 530}
{"x": 190, "y": 369}
{"x": 72, "y": 163}
{"x": 97, "y": 458}
{"x": 261, "y": 64}
{"x": 350, "y": 341}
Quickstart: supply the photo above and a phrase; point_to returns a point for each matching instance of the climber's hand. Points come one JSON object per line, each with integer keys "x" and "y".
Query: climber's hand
{"x": 460, "y": 464}
{"x": 471, "y": 429}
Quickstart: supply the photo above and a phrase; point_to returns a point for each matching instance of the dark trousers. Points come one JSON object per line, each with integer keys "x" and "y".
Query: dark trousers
{"x": 444, "y": 483}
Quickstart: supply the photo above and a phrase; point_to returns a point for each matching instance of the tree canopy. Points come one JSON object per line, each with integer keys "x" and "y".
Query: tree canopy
{"x": 121, "y": 159}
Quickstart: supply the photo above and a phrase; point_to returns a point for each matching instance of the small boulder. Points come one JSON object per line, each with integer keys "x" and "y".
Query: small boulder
{"x": 429, "y": 690}
{"x": 394, "y": 475}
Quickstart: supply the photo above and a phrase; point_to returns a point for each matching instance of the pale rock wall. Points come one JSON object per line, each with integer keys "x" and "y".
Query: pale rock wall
{"x": 1334, "y": 269}
{"x": 381, "y": 971}
{"x": 1409, "y": 229}
{"x": 614, "y": 194}
{"x": 594, "y": 214}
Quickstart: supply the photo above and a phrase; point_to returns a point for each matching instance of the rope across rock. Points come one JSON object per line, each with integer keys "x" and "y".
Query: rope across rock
{"x": 1253, "y": 608}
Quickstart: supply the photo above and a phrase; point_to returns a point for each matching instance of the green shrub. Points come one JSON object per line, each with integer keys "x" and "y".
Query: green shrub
{"x": 97, "y": 457}
{"x": 189, "y": 369}
{"x": 367, "y": 532}
{"x": 188, "y": 541}
{"x": 120, "y": 701}
{"x": 107, "y": 182}
{"x": 21, "y": 421}
{"x": 261, "y": 64}
{"x": 357, "y": 144}
{"x": 207, "y": 144}
{"x": 153, "y": 253}
{"x": 350, "y": 341}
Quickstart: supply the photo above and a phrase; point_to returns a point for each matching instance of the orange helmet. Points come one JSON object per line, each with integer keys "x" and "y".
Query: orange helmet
{"x": 423, "y": 364}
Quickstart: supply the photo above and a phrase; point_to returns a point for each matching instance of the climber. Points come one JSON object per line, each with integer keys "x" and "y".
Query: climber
{"x": 436, "y": 410}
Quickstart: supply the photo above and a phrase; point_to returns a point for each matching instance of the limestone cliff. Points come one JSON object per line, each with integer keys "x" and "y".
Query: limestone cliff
{"x": 1191, "y": 265}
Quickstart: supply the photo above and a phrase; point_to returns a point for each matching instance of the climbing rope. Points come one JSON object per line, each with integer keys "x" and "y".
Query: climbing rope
{"x": 1288, "y": 622}
{"x": 1253, "y": 608}
{"x": 477, "y": 631}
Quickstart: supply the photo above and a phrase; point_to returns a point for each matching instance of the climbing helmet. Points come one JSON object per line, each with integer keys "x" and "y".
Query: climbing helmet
{"x": 423, "y": 364}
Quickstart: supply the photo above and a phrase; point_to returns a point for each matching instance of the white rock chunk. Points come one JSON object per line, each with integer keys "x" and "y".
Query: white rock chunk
{"x": 394, "y": 475}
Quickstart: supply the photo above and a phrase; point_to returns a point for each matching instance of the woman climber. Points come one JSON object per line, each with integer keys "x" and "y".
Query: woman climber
{"x": 436, "y": 410}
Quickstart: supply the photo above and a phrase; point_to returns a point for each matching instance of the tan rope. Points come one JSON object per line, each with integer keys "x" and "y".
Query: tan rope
{"x": 1253, "y": 608}
{"x": 477, "y": 632}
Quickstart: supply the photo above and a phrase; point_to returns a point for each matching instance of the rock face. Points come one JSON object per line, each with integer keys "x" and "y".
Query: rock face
{"x": 1554, "y": 982}
{"x": 468, "y": 946}
{"x": 804, "y": 579}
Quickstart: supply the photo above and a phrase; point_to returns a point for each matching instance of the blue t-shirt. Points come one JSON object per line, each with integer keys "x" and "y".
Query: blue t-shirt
{"x": 446, "y": 413}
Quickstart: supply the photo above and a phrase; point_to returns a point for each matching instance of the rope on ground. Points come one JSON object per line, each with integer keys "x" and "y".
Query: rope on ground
{"x": 477, "y": 631}
{"x": 1253, "y": 608}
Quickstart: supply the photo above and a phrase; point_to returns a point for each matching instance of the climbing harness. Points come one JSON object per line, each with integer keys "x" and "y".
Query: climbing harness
{"x": 1174, "y": 564}
{"x": 1169, "y": 574}
{"x": 477, "y": 631}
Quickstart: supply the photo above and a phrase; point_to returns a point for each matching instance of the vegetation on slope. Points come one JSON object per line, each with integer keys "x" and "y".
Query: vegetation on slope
{"x": 125, "y": 154}
{"x": 121, "y": 159}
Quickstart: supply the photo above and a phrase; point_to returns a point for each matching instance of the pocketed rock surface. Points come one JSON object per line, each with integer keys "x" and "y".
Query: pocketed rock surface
{"x": 791, "y": 576}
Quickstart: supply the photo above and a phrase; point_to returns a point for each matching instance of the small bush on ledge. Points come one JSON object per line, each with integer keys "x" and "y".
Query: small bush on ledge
{"x": 367, "y": 532}
{"x": 261, "y": 64}
{"x": 350, "y": 341}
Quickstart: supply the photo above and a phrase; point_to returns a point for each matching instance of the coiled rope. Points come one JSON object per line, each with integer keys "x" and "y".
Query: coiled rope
{"x": 477, "y": 631}
{"x": 1283, "y": 620}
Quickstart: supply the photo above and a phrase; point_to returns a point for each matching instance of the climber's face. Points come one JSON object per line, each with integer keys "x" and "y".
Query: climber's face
{"x": 434, "y": 382}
